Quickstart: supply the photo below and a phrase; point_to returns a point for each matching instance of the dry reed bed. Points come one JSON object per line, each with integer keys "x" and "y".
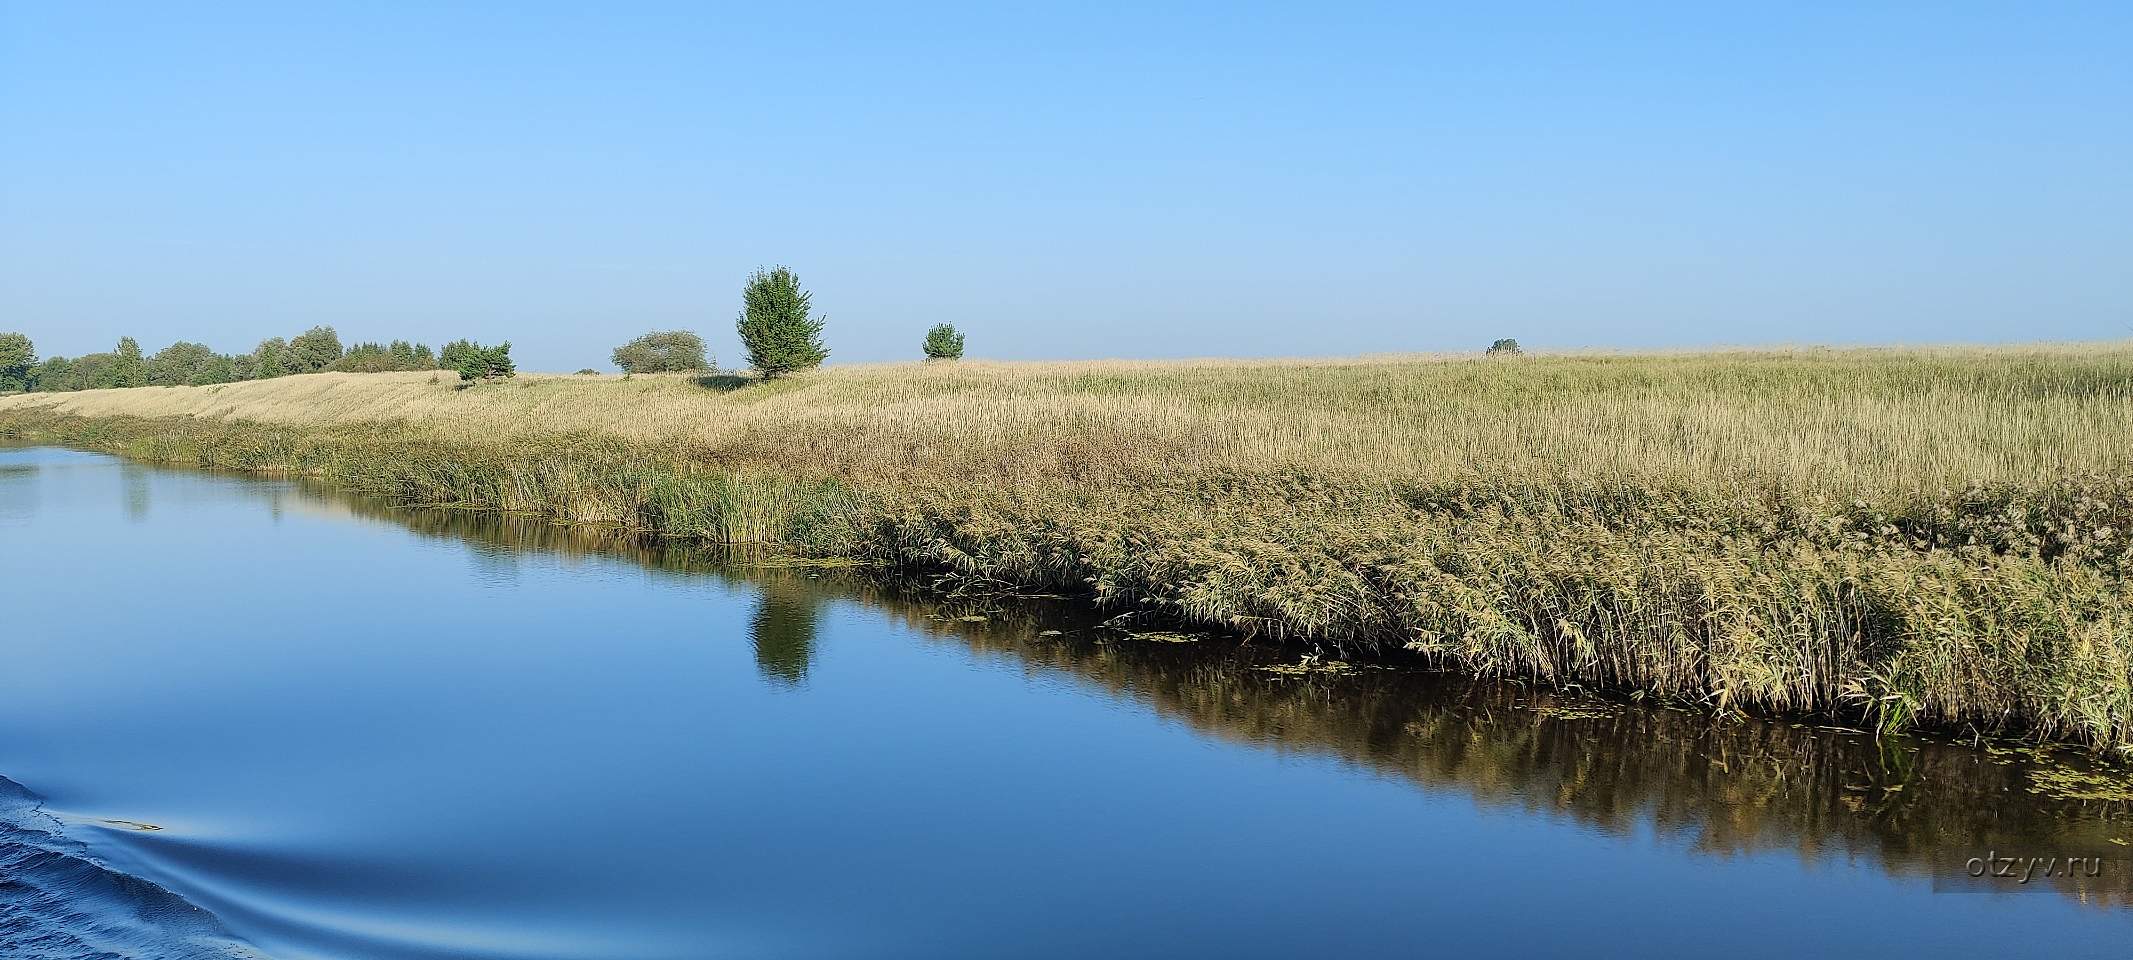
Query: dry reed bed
{"x": 1932, "y": 537}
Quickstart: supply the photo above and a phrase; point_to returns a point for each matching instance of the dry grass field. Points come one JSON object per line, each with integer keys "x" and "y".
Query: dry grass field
{"x": 1907, "y": 536}
{"x": 1866, "y": 420}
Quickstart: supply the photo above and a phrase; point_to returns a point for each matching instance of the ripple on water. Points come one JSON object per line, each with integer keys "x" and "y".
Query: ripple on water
{"x": 59, "y": 903}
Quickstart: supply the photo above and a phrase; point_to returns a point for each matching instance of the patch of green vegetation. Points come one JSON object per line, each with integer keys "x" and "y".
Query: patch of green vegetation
{"x": 1309, "y": 667}
{"x": 2061, "y": 782}
{"x": 1165, "y": 636}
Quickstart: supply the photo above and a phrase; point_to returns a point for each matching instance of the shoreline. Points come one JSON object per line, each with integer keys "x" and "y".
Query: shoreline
{"x": 1991, "y": 610}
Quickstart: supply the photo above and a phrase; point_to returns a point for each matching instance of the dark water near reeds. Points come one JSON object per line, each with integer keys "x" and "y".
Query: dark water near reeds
{"x": 243, "y": 715}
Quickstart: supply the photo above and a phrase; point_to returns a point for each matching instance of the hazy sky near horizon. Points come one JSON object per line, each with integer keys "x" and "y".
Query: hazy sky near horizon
{"x": 1080, "y": 180}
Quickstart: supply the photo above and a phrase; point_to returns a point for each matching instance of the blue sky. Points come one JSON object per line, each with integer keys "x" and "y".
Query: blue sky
{"x": 1083, "y": 180}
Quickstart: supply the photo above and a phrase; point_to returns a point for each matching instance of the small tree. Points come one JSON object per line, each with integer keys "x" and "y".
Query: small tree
{"x": 1505, "y": 347}
{"x": 17, "y": 357}
{"x": 776, "y": 327}
{"x": 477, "y": 362}
{"x": 944, "y": 343}
{"x": 662, "y": 351}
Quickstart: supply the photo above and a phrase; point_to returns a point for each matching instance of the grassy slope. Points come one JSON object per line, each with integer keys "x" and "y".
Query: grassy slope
{"x": 1922, "y": 536}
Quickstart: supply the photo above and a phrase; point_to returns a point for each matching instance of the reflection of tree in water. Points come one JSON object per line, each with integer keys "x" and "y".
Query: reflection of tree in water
{"x": 783, "y": 629}
{"x": 18, "y": 491}
{"x": 136, "y": 482}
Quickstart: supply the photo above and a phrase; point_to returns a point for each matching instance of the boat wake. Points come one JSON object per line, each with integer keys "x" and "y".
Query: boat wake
{"x": 59, "y": 903}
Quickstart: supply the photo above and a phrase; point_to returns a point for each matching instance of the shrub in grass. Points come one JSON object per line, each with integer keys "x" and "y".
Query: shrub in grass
{"x": 661, "y": 352}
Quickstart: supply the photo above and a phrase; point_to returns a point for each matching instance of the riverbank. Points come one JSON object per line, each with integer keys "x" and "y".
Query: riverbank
{"x": 1910, "y": 538}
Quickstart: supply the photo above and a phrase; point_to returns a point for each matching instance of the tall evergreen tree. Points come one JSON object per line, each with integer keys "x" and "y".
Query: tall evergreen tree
{"x": 776, "y": 325}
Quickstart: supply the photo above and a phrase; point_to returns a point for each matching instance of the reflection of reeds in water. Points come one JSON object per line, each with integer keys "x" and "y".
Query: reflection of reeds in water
{"x": 1900, "y": 538}
{"x": 1917, "y": 807}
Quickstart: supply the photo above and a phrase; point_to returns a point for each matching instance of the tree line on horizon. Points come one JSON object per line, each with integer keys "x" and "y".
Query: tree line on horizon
{"x": 189, "y": 364}
{"x": 779, "y": 332}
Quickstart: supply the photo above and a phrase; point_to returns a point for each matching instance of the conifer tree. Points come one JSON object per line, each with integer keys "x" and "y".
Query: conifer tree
{"x": 943, "y": 343}
{"x": 776, "y": 326}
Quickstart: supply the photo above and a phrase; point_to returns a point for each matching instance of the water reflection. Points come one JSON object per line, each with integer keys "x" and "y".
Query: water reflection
{"x": 783, "y": 629}
{"x": 1918, "y": 807}
{"x": 135, "y": 480}
{"x": 18, "y": 495}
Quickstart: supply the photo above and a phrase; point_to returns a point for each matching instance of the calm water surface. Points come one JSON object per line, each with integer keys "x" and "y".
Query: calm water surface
{"x": 243, "y": 717}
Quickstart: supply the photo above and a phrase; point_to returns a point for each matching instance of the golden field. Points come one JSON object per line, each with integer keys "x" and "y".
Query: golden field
{"x": 1868, "y": 419}
{"x": 1909, "y": 536}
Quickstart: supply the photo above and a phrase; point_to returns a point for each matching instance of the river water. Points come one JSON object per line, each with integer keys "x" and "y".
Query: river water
{"x": 247, "y": 717}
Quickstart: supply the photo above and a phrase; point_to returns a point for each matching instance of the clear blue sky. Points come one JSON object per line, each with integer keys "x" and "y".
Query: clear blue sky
{"x": 1082, "y": 181}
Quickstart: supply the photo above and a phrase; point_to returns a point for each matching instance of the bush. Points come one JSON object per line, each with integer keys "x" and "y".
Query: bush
{"x": 776, "y": 327}
{"x": 1505, "y": 347}
{"x": 662, "y": 352}
{"x": 588, "y": 372}
{"x": 943, "y": 343}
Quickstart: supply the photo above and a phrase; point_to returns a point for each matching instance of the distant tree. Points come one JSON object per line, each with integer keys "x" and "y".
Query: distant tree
{"x": 456, "y": 353}
{"x": 776, "y": 327}
{"x": 1504, "y": 347}
{"x": 220, "y": 368}
{"x": 943, "y": 343}
{"x": 588, "y": 372}
{"x": 662, "y": 351}
{"x": 54, "y": 375}
{"x": 477, "y": 362}
{"x": 127, "y": 368}
{"x": 314, "y": 350}
{"x": 90, "y": 371}
{"x": 188, "y": 364}
{"x": 380, "y": 358}
{"x": 17, "y": 358}
{"x": 364, "y": 358}
{"x": 271, "y": 359}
